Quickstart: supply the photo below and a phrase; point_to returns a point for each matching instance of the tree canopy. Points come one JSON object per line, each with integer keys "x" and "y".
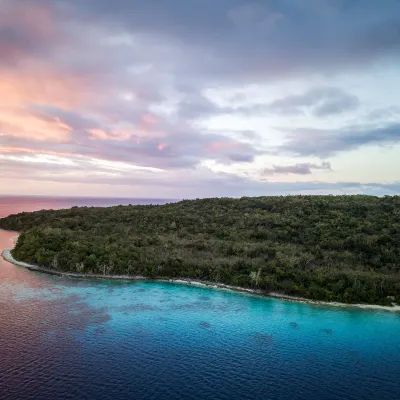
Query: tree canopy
{"x": 333, "y": 248}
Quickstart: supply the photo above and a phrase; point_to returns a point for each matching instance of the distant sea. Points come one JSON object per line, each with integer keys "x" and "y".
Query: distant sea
{"x": 64, "y": 339}
{"x": 17, "y": 204}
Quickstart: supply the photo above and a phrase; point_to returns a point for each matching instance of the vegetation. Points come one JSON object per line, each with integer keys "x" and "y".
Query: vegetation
{"x": 334, "y": 248}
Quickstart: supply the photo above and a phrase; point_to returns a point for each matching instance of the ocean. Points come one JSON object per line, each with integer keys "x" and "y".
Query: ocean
{"x": 16, "y": 204}
{"x": 66, "y": 338}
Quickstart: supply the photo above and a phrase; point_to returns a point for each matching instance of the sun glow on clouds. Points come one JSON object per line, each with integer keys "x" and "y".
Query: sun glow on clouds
{"x": 40, "y": 158}
{"x": 105, "y": 95}
{"x": 40, "y": 83}
{"x": 120, "y": 166}
{"x": 22, "y": 123}
{"x": 162, "y": 146}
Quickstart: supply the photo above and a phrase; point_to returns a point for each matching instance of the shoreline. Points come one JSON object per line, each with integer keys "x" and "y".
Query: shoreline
{"x": 6, "y": 254}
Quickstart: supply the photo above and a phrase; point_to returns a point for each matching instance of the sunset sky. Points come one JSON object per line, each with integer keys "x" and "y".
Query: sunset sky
{"x": 199, "y": 98}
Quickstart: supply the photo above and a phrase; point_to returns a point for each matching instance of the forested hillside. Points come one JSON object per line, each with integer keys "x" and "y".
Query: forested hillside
{"x": 335, "y": 248}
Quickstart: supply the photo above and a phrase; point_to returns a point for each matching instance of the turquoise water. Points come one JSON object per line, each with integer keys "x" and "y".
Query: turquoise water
{"x": 81, "y": 339}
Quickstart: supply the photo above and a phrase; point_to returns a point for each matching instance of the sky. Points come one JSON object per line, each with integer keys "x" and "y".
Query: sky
{"x": 199, "y": 98}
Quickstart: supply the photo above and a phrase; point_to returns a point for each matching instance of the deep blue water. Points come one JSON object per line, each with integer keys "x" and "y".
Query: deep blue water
{"x": 81, "y": 339}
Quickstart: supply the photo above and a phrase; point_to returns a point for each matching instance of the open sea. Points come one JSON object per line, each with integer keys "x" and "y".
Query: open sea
{"x": 66, "y": 338}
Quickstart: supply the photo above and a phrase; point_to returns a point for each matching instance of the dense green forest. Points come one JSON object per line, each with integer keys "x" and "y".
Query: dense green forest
{"x": 335, "y": 248}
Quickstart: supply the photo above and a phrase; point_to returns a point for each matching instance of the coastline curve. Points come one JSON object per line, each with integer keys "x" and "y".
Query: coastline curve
{"x": 7, "y": 256}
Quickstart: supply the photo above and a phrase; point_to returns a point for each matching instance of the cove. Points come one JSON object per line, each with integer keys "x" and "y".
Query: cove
{"x": 65, "y": 338}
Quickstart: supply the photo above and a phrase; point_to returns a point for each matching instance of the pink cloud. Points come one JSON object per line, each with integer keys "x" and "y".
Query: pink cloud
{"x": 115, "y": 134}
{"x": 64, "y": 94}
{"x": 40, "y": 83}
{"x": 21, "y": 123}
{"x": 216, "y": 147}
{"x": 149, "y": 119}
{"x": 162, "y": 146}
{"x": 29, "y": 30}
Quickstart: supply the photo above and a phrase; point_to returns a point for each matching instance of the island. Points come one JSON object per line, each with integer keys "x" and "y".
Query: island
{"x": 326, "y": 248}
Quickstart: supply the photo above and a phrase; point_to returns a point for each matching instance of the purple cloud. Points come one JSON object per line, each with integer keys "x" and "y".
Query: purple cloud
{"x": 296, "y": 169}
{"x": 127, "y": 81}
{"x": 326, "y": 142}
{"x": 321, "y": 102}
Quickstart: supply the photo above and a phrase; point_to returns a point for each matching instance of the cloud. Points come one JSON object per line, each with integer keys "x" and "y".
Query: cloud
{"x": 26, "y": 30}
{"x": 201, "y": 44}
{"x": 200, "y": 182}
{"x": 296, "y": 169}
{"x": 223, "y": 40}
{"x": 254, "y": 15}
{"x": 384, "y": 113}
{"x": 127, "y": 81}
{"x": 195, "y": 105}
{"x": 143, "y": 140}
{"x": 326, "y": 142}
{"x": 73, "y": 119}
{"x": 321, "y": 102}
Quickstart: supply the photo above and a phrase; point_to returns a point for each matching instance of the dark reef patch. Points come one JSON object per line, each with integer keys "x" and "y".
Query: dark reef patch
{"x": 264, "y": 338}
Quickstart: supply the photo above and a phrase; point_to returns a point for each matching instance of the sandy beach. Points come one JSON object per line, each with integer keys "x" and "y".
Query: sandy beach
{"x": 185, "y": 281}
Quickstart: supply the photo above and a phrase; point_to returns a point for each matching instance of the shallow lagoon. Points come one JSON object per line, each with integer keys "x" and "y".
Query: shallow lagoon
{"x": 66, "y": 339}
